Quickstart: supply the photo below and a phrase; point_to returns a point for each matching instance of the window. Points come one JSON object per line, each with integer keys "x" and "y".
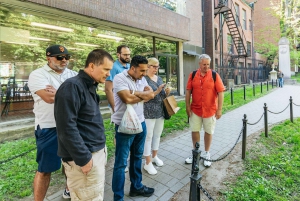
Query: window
{"x": 216, "y": 63}
{"x": 241, "y": 64}
{"x": 250, "y": 25}
{"x": 249, "y": 65}
{"x": 229, "y": 44}
{"x": 248, "y": 48}
{"x": 244, "y": 19}
{"x": 216, "y": 39}
{"x": 237, "y": 14}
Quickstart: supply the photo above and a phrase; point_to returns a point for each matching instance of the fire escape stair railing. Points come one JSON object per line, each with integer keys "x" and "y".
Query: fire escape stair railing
{"x": 233, "y": 28}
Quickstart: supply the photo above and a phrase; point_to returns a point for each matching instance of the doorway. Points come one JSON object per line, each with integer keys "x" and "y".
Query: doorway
{"x": 168, "y": 71}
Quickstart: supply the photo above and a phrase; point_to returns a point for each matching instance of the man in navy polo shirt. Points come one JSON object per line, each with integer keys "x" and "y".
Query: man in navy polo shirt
{"x": 122, "y": 63}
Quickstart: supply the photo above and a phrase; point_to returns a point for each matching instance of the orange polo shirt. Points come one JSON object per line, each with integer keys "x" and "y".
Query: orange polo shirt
{"x": 204, "y": 93}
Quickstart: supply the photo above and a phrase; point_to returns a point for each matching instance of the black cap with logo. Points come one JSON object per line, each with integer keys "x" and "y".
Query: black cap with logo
{"x": 56, "y": 50}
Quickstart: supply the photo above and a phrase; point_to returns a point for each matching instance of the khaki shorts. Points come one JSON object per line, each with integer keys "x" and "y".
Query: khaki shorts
{"x": 196, "y": 123}
{"x": 91, "y": 186}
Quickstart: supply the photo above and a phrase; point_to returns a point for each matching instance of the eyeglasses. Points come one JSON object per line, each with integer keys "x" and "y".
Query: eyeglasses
{"x": 60, "y": 58}
{"x": 156, "y": 67}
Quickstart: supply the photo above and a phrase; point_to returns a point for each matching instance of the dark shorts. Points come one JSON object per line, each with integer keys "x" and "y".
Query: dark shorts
{"x": 46, "y": 155}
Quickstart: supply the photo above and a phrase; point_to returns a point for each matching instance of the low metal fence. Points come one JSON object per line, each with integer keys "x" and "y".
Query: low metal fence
{"x": 13, "y": 96}
{"x": 195, "y": 178}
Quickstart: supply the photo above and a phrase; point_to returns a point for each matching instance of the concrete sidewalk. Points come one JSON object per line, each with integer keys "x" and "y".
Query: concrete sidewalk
{"x": 175, "y": 173}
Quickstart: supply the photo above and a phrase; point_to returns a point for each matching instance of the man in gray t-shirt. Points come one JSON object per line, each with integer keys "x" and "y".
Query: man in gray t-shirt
{"x": 130, "y": 87}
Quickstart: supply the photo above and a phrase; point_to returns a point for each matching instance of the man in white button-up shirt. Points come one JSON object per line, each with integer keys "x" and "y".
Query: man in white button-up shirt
{"x": 43, "y": 83}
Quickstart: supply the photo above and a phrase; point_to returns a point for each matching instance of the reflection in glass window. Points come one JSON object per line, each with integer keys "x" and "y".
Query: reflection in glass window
{"x": 24, "y": 38}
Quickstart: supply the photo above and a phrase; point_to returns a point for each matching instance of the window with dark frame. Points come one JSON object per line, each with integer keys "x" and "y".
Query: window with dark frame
{"x": 237, "y": 14}
{"x": 248, "y": 48}
{"x": 216, "y": 39}
{"x": 244, "y": 20}
{"x": 229, "y": 44}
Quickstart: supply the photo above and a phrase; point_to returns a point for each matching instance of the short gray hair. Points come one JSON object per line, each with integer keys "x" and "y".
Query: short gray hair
{"x": 204, "y": 56}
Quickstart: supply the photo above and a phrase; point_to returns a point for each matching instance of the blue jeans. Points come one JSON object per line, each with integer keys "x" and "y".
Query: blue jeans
{"x": 280, "y": 82}
{"x": 125, "y": 143}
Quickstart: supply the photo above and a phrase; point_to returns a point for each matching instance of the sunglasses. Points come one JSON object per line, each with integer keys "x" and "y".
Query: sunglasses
{"x": 60, "y": 58}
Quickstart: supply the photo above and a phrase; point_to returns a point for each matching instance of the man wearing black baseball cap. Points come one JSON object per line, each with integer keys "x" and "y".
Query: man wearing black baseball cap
{"x": 43, "y": 83}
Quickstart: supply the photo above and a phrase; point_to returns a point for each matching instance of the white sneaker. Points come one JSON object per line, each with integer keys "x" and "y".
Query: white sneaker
{"x": 189, "y": 160}
{"x": 126, "y": 169}
{"x": 157, "y": 161}
{"x": 150, "y": 168}
{"x": 207, "y": 156}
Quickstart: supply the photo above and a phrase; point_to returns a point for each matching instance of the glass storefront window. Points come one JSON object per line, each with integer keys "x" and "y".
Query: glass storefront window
{"x": 25, "y": 35}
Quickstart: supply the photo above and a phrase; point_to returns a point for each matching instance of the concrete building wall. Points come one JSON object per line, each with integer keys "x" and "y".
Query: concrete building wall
{"x": 125, "y": 14}
{"x": 194, "y": 46}
{"x": 194, "y": 13}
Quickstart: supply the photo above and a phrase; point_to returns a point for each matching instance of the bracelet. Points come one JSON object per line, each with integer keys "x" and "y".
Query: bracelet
{"x": 132, "y": 92}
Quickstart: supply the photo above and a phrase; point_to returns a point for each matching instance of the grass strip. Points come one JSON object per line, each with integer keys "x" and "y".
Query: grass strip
{"x": 271, "y": 174}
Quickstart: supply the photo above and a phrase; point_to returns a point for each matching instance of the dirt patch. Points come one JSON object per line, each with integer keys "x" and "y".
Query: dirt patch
{"x": 226, "y": 170}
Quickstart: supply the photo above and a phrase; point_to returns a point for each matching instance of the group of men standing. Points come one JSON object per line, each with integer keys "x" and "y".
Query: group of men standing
{"x": 69, "y": 126}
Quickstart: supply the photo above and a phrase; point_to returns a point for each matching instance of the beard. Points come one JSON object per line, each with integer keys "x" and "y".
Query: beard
{"x": 58, "y": 67}
{"x": 125, "y": 61}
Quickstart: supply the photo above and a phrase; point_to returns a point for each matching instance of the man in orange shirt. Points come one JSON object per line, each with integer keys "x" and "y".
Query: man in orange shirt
{"x": 206, "y": 107}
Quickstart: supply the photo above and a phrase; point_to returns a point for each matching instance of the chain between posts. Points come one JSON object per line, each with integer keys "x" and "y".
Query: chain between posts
{"x": 205, "y": 192}
{"x": 257, "y": 121}
{"x": 215, "y": 160}
{"x": 17, "y": 156}
{"x": 279, "y": 112}
{"x": 296, "y": 105}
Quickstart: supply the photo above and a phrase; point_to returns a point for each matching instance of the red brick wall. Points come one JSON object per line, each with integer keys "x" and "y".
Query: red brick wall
{"x": 266, "y": 24}
{"x": 209, "y": 30}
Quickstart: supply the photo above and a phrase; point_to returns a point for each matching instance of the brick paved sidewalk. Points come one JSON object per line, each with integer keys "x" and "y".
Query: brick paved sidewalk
{"x": 175, "y": 173}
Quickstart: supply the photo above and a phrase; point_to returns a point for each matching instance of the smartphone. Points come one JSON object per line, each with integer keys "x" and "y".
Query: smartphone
{"x": 168, "y": 85}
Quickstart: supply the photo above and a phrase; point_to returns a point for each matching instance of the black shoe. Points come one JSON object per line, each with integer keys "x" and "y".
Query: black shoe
{"x": 144, "y": 191}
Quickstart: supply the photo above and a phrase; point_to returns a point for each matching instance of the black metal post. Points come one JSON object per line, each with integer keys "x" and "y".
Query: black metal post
{"x": 231, "y": 95}
{"x": 244, "y": 136}
{"x": 195, "y": 177}
{"x": 291, "y": 109}
{"x": 266, "y": 119}
{"x": 267, "y": 85}
{"x": 244, "y": 92}
{"x": 261, "y": 85}
{"x": 272, "y": 83}
{"x": 253, "y": 89}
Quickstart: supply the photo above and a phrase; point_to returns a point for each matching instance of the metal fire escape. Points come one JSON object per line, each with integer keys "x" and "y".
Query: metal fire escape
{"x": 236, "y": 32}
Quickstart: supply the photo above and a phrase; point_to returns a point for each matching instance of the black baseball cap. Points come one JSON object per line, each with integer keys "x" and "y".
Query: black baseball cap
{"x": 56, "y": 50}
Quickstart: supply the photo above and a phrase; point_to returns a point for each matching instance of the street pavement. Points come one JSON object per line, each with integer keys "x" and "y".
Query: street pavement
{"x": 175, "y": 173}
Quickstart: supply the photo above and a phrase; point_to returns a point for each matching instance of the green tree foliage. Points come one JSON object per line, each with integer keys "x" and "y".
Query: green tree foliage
{"x": 288, "y": 12}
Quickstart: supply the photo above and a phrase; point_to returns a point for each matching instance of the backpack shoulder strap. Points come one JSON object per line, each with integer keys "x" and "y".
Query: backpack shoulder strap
{"x": 194, "y": 73}
{"x": 214, "y": 75}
